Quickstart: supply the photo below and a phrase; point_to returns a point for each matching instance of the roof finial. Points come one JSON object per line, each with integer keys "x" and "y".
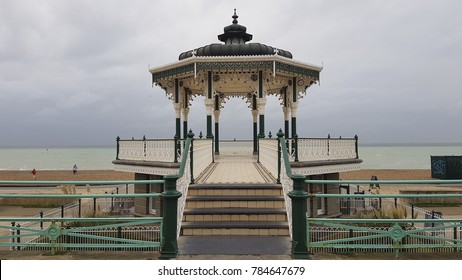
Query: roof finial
{"x": 235, "y": 17}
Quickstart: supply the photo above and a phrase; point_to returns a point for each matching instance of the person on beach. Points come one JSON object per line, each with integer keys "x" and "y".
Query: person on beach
{"x": 74, "y": 169}
{"x": 34, "y": 173}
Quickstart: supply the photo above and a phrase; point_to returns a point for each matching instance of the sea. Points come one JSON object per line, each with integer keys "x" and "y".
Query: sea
{"x": 374, "y": 156}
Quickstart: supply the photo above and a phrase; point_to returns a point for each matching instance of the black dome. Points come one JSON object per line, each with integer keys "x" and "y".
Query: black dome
{"x": 235, "y": 37}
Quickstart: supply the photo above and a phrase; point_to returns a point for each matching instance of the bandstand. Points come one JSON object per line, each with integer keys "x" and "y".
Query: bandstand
{"x": 246, "y": 192}
{"x": 236, "y": 68}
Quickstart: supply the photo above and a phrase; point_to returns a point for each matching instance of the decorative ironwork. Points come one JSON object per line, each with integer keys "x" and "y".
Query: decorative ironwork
{"x": 312, "y": 149}
{"x": 149, "y": 150}
{"x": 177, "y": 71}
{"x": 234, "y": 66}
{"x": 296, "y": 70}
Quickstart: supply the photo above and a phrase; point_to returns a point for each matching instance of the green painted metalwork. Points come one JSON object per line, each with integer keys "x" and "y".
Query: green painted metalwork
{"x": 397, "y": 229}
{"x": 55, "y": 236}
{"x": 295, "y": 70}
{"x": 55, "y": 232}
{"x": 392, "y": 182}
{"x": 298, "y": 196}
{"x": 234, "y": 66}
{"x": 49, "y": 195}
{"x": 400, "y": 230}
{"x": 170, "y": 197}
{"x": 181, "y": 70}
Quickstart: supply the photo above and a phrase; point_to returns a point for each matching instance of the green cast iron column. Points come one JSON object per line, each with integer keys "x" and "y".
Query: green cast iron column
{"x": 209, "y": 97}
{"x": 255, "y": 124}
{"x": 255, "y": 136}
{"x": 217, "y": 139}
{"x": 286, "y": 127}
{"x": 294, "y": 127}
{"x": 260, "y": 96}
{"x": 170, "y": 196}
{"x": 178, "y": 128}
{"x": 185, "y": 129}
{"x": 217, "y": 124}
{"x": 262, "y": 126}
{"x": 209, "y": 127}
{"x": 177, "y": 109}
{"x": 299, "y": 197}
{"x": 294, "y": 109}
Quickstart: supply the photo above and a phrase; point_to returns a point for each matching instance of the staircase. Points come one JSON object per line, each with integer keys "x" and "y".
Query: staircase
{"x": 235, "y": 209}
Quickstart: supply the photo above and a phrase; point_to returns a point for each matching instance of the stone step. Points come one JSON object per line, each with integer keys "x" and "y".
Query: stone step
{"x": 242, "y": 209}
{"x": 217, "y": 201}
{"x": 235, "y": 190}
{"x": 234, "y": 214}
{"x": 247, "y": 228}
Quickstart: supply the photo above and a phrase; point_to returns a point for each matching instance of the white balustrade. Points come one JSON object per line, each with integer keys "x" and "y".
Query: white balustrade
{"x": 268, "y": 155}
{"x": 287, "y": 186}
{"x": 131, "y": 149}
{"x": 182, "y": 185}
{"x": 150, "y": 150}
{"x": 310, "y": 149}
{"x": 203, "y": 155}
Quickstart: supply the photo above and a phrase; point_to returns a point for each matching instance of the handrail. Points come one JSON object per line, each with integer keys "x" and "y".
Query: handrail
{"x": 49, "y": 195}
{"x": 396, "y": 182}
{"x": 285, "y": 154}
{"x": 171, "y": 196}
{"x": 296, "y": 205}
{"x": 184, "y": 156}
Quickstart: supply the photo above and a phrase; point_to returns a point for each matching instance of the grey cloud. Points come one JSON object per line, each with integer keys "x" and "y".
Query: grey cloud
{"x": 76, "y": 72}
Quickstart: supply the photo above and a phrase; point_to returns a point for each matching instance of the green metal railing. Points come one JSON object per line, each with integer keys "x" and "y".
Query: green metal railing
{"x": 398, "y": 232}
{"x": 59, "y": 236}
{"x": 58, "y": 233}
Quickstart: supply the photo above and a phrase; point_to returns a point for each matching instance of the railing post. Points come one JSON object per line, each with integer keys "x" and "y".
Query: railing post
{"x": 455, "y": 237}
{"x": 94, "y": 205}
{"x": 328, "y": 144}
{"x": 169, "y": 224}
{"x": 41, "y": 221}
{"x": 299, "y": 229}
{"x": 12, "y": 233}
{"x": 144, "y": 144}
{"x": 356, "y": 146}
{"x": 191, "y": 155}
{"x": 80, "y": 207}
{"x": 118, "y": 147}
{"x": 18, "y": 238}
{"x": 278, "y": 180}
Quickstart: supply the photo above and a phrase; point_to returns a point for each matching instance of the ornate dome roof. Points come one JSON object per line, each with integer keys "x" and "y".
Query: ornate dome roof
{"x": 234, "y": 37}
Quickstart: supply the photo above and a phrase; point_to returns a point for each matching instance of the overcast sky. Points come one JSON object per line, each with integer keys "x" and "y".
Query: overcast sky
{"x": 75, "y": 73}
